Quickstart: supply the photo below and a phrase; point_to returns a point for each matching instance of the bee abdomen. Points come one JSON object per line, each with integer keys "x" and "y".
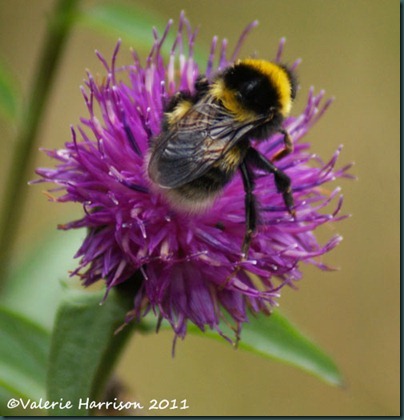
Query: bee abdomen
{"x": 206, "y": 186}
{"x": 199, "y": 194}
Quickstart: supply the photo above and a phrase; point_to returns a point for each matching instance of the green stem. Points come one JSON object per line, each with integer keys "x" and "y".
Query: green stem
{"x": 15, "y": 195}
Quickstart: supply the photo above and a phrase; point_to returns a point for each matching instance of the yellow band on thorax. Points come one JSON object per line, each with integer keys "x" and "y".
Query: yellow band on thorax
{"x": 230, "y": 102}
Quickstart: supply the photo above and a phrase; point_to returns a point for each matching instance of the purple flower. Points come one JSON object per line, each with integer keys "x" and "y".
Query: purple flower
{"x": 190, "y": 265}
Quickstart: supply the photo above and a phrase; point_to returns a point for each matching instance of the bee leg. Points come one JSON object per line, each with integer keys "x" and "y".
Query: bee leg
{"x": 287, "y": 149}
{"x": 250, "y": 207}
{"x": 282, "y": 181}
{"x": 250, "y": 216}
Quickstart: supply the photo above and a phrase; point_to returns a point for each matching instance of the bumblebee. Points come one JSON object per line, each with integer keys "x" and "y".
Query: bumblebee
{"x": 206, "y": 137}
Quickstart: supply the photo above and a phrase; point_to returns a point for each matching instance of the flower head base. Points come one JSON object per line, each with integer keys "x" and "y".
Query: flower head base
{"x": 186, "y": 260}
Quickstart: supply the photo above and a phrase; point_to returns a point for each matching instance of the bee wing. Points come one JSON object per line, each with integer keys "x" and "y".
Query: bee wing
{"x": 187, "y": 152}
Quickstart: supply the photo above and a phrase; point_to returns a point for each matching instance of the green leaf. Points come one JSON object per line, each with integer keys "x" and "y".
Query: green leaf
{"x": 84, "y": 347}
{"x": 10, "y": 96}
{"x": 34, "y": 288}
{"x": 275, "y": 338}
{"x": 24, "y": 350}
{"x": 133, "y": 24}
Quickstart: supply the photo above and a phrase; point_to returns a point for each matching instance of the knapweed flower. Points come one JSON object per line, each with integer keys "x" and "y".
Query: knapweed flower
{"x": 186, "y": 267}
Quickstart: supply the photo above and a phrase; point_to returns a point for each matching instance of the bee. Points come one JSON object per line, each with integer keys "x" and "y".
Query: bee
{"x": 206, "y": 137}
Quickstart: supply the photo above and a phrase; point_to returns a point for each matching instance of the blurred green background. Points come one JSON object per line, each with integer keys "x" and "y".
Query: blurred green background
{"x": 350, "y": 49}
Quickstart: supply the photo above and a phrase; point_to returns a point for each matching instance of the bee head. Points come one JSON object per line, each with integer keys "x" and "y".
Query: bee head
{"x": 252, "y": 88}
